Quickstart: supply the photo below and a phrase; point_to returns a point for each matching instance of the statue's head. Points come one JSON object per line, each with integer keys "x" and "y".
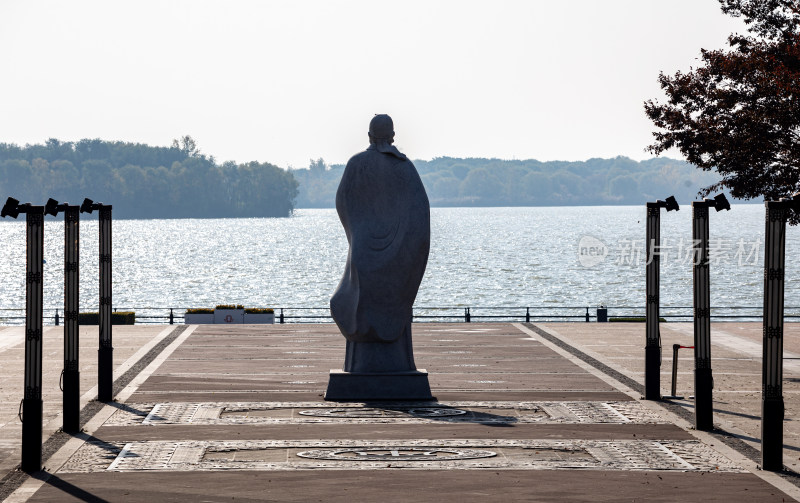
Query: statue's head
{"x": 381, "y": 129}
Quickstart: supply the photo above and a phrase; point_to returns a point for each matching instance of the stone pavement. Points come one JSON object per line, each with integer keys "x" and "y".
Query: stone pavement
{"x": 736, "y": 364}
{"x": 235, "y": 413}
{"x": 130, "y": 343}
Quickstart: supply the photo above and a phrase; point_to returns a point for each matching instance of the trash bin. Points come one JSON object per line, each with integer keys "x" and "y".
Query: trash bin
{"x": 602, "y": 314}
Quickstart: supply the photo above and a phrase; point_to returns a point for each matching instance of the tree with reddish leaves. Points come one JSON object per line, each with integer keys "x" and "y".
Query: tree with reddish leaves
{"x": 738, "y": 113}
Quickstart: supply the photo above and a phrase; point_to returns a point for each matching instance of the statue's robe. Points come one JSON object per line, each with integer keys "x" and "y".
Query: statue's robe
{"x": 385, "y": 213}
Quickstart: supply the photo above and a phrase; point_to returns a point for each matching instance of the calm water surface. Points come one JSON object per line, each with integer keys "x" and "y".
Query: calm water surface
{"x": 479, "y": 257}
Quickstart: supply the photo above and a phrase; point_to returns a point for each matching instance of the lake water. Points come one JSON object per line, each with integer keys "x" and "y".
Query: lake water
{"x": 479, "y": 257}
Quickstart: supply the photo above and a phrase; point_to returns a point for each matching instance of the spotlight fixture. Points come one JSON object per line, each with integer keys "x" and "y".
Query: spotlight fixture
{"x": 51, "y": 207}
{"x": 793, "y": 201}
{"x": 10, "y": 209}
{"x": 721, "y": 202}
{"x": 88, "y": 206}
{"x": 671, "y": 204}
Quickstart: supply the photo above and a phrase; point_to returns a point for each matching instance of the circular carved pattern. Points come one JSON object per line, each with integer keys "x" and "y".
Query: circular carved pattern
{"x": 394, "y": 454}
{"x": 373, "y": 412}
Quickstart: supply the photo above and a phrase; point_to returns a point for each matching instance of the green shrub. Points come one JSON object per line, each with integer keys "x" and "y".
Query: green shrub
{"x": 230, "y": 306}
{"x": 633, "y": 319}
{"x": 259, "y": 310}
{"x": 117, "y": 318}
{"x": 200, "y": 310}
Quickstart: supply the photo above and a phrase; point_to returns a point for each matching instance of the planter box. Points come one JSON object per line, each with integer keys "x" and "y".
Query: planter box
{"x": 228, "y": 316}
{"x": 259, "y": 318}
{"x": 198, "y": 318}
{"x": 117, "y": 318}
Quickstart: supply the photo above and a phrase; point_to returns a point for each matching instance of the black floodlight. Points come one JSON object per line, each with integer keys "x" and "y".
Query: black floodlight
{"x": 51, "y": 207}
{"x": 721, "y": 202}
{"x": 87, "y": 206}
{"x": 10, "y": 209}
{"x": 671, "y": 204}
{"x": 793, "y": 201}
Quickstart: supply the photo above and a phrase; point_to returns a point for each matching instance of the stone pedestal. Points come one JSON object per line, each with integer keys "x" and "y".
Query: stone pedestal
{"x": 359, "y": 386}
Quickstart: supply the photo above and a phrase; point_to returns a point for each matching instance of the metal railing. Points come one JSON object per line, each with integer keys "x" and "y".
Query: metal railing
{"x": 466, "y": 314}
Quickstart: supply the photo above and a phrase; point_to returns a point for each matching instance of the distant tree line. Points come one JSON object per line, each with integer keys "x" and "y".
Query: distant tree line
{"x": 495, "y": 182}
{"x": 142, "y": 181}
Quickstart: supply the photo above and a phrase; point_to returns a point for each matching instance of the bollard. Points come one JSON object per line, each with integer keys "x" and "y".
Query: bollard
{"x": 70, "y": 374}
{"x": 31, "y": 406}
{"x": 527, "y": 315}
{"x": 71, "y": 392}
{"x": 56, "y": 320}
{"x": 105, "y": 352}
{"x": 72, "y": 379}
{"x": 281, "y": 316}
{"x": 675, "y": 348}
{"x": 652, "y": 348}
{"x": 171, "y": 317}
{"x": 32, "y": 403}
{"x": 466, "y": 315}
{"x": 703, "y": 378}
{"x": 587, "y": 315}
{"x": 772, "y": 405}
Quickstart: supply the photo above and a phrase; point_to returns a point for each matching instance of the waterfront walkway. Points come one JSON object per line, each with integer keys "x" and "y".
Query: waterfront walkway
{"x": 524, "y": 412}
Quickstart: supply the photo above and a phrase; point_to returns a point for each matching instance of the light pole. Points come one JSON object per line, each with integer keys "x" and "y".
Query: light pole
{"x": 34, "y": 293}
{"x": 652, "y": 349}
{"x": 105, "y": 353}
{"x": 772, "y": 408}
{"x": 703, "y": 378}
{"x": 71, "y": 375}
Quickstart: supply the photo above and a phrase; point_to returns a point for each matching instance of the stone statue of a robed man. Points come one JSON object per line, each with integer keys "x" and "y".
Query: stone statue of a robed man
{"x": 385, "y": 213}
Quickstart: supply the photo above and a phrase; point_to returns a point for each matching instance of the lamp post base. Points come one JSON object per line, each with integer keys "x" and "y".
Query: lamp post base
{"x": 105, "y": 374}
{"x": 31, "y": 434}
{"x": 72, "y": 401}
{"x": 704, "y": 400}
{"x": 772, "y": 434}
{"x": 652, "y": 373}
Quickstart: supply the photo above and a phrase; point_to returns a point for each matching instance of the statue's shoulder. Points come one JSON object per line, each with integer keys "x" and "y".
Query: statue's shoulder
{"x": 366, "y": 160}
{"x": 362, "y": 157}
{"x": 371, "y": 157}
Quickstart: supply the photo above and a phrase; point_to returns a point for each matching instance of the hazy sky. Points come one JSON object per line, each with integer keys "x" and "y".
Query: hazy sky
{"x": 283, "y": 82}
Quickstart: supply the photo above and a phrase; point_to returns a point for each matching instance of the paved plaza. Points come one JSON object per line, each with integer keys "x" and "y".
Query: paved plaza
{"x": 523, "y": 412}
